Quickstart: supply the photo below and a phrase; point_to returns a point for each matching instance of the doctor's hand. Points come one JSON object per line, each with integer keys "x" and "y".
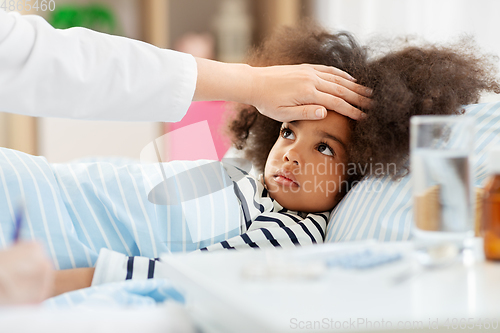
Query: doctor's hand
{"x": 26, "y": 274}
{"x": 283, "y": 93}
{"x": 287, "y": 93}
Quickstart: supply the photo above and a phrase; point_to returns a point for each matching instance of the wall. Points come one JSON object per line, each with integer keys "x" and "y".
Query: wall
{"x": 434, "y": 20}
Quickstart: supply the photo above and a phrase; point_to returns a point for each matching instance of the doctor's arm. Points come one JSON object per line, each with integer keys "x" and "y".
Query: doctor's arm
{"x": 80, "y": 73}
{"x": 283, "y": 93}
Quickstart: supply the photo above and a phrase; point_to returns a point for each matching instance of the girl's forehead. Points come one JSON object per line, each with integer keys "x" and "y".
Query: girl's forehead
{"x": 334, "y": 123}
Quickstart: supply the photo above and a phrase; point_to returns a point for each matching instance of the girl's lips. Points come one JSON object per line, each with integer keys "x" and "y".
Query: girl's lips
{"x": 285, "y": 181}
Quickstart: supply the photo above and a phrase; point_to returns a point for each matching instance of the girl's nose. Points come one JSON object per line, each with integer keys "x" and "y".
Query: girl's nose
{"x": 292, "y": 156}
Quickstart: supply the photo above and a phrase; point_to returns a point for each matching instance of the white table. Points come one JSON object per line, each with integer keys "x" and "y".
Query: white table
{"x": 221, "y": 300}
{"x": 169, "y": 317}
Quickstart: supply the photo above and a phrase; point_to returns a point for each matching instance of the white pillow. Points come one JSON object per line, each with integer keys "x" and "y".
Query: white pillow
{"x": 382, "y": 208}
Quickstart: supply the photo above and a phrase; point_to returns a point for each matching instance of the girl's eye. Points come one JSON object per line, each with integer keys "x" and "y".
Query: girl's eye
{"x": 287, "y": 134}
{"x": 323, "y": 148}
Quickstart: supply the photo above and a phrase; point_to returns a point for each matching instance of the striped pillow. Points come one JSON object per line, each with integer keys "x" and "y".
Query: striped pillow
{"x": 382, "y": 209}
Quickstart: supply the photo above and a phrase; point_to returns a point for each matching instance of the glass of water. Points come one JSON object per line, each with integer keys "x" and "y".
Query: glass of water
{"x": 443, "y": 194}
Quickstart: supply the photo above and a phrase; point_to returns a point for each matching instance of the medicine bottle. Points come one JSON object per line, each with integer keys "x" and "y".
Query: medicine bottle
{"x": 490, "y": 227}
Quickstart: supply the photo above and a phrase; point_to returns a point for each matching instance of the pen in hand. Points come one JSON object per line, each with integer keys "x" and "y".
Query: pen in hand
{"x": 17, "y": 227}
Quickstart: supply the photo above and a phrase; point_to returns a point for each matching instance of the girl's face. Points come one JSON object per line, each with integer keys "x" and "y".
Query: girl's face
{"x": 307, "y": 165}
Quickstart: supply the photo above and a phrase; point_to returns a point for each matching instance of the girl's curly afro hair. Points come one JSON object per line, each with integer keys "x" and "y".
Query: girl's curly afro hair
{"x": 412, "y": 80}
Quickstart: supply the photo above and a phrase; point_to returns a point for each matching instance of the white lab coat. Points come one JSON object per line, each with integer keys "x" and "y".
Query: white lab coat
{"x": 79, "y": 73}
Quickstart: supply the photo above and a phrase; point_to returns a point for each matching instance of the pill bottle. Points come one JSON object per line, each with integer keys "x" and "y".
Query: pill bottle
{"x": 490, "y": 227}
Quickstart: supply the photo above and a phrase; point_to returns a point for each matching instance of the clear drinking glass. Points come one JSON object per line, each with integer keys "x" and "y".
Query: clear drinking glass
{"x": 443, "y": 195}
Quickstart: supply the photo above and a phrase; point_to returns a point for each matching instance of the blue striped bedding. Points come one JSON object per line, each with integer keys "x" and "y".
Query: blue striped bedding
{"x": 137, "y": 293}
{"x": 77, "y": 209}
{"x": 382, "y": 209}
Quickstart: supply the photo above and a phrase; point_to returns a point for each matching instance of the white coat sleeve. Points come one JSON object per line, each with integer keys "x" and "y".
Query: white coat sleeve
{"x": 79, "y": 73}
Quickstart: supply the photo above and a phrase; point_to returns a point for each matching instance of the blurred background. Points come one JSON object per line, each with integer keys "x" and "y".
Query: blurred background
{"x": 225, "y": 30}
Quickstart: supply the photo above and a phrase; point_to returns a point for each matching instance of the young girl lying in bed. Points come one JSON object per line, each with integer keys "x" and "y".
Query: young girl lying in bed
{"x": 308, "y": 166}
